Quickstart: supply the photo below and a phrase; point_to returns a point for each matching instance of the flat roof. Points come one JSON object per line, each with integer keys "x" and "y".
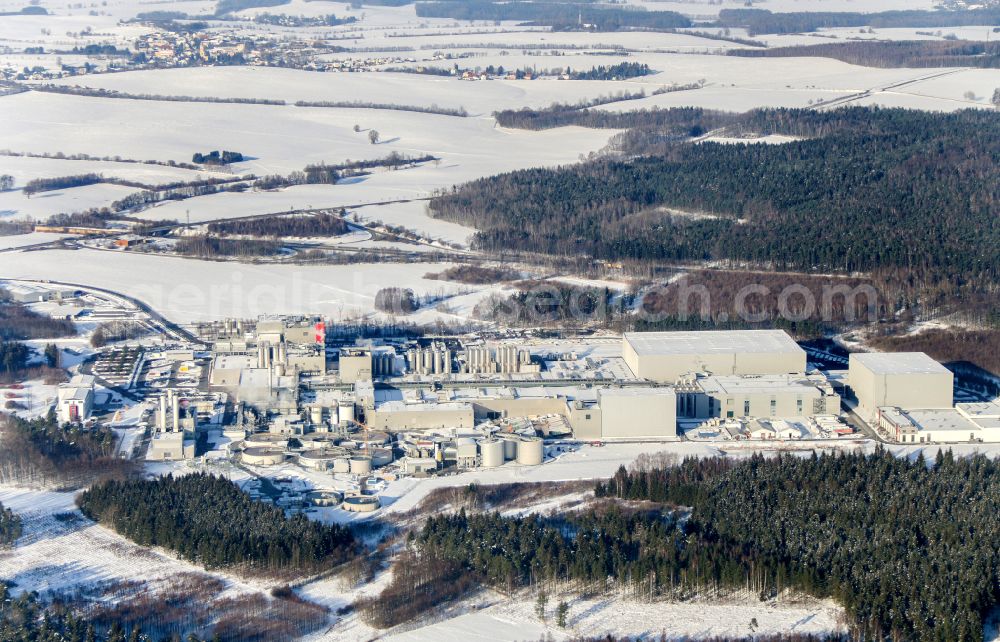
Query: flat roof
{"x": 711, "y": 342}
{"x": 402, "y": 406}
{"x": 899, "y": 363}
{"x": 761, "y": 384}
{"x": 636, "y": 392}
{"x": 980, "y": 410}
{"x": 941, "y": 419}
{"x": 235, "y": 362}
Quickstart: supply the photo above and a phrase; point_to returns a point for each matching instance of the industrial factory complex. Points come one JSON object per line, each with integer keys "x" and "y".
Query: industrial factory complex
{"x": 281, "y": 393}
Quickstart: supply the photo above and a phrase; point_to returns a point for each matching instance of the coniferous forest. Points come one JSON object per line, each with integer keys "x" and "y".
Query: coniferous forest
{"x": 10, "y": 527}
{"x": 908, "y": 547}
{"x": 865, "y": 190}
{"x": 208, "y": 520}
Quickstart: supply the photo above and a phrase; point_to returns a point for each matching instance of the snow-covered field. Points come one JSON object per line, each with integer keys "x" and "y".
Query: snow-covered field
{"x": 61, "y": 550}
{"x": 187, "y": 290}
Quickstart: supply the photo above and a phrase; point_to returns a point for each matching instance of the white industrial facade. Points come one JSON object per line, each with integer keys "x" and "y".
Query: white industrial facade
{"x": 626, "y": 413}
{"x": 665, "y": 356}
{"x": 898, "y": 379}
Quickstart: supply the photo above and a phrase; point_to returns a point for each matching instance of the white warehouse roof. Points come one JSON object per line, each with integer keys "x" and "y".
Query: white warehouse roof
{"x": 904, "y": 363}
{"x": 711, "y": 342}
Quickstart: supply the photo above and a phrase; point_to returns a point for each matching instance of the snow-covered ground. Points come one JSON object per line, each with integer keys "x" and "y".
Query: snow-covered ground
{"x": 187, "y": 290}
{"x": 61, "y": 550}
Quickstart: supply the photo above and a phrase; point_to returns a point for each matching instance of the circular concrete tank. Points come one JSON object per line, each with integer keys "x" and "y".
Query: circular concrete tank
{"x": 360, "y": 465}
{"x": 373, "y": 438}
{"x": 530, "y": 451}
{"x": 325, "y": 497}
{"x": 266, "y": 440}
{"x": 257, "y": 456}
{"x": 319, "y": 459}
{"x": 360, "y": 504}
{"x": 381, "y": 457}
{"x": 491, "y": 453}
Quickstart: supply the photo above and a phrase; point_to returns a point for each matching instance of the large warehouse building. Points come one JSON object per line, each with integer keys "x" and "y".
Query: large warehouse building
{"x": 626, "y": 413}
{"x": 665, "y": 356}
{"x": 899, "y": 379}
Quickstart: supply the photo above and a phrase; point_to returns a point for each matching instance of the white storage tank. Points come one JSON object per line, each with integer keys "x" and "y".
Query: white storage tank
{"x": 341, "y": 465}
{"x": 510, "y": 449}
{"x": 316, "y": 414}
{"x": 530, "y": 451}
{"x": 360, "y": 465}
{"x": 491, "y": 453}
{"x": 346, "y": 413}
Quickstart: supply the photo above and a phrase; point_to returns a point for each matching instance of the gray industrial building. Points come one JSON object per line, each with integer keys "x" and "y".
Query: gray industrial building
{"x": 623, "y": 413}
{"x": 908, "y": 380}
{"x": 664, "y": 357}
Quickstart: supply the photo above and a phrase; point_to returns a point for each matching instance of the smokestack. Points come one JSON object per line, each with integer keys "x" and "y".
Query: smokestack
{"x": 162, "y": 419}
{"x": 176, "y": 410}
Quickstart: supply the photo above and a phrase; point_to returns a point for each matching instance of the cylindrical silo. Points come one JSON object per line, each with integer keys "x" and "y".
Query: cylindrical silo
{"x": 316, "y": 414}
{"x": 491, "y": 453}
{"x": 360, "y": 465}
{"x": 347, "y": 413}
{"x": 509, "y": 449}
{"x": 341, "y": 465}
{"x": 530, "y": 451}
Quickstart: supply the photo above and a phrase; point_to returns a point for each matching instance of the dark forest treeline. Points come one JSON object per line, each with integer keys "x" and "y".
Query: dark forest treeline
{"x": 10, "y": 527}
{"x": 758, "y": 21}
{"x": 211, "y": 246}
{"x": 321, "y": 224}
{"x": 18, "y": 321}
{"x": 613, "y": 72}
{"x": 902, "y": 53}
{"x": 474, "y": 274}
{"x": 208, "y": 520}
{"x": 26, "y": 619}
{"x": 41, "y": 452}
{"x": 806, "y": 306}
{"x": 907, "y": 548}
{"x": 677, "y": 123}
{"x": 869, "y": 189}
{"x": 556, "y": 14}
{"x": 14, "y": 357}
{"x": 60, "y": 182}
{"x": 981, "y": 347}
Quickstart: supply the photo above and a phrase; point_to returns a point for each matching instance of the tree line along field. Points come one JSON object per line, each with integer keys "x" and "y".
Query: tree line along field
{"x": 865, "y": 190}
{"x": 905, "y": 546}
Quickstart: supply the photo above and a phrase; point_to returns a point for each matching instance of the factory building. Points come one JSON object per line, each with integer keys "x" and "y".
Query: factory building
{"x": 622, "y": 413}
{"x": 399, "y": 415}
{"x": 75, "y": 400}
{"x": 965, "y": 423}
{"x": 900, "y": 379}
{"x": 365, "y": 363}
{"x": 664, "y": 357}
{"x": 756, "y": 396}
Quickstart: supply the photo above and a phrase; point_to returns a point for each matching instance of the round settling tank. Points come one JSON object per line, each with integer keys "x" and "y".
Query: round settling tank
{"x": 360, "y": 503}
{"x": 257, "y": 456}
